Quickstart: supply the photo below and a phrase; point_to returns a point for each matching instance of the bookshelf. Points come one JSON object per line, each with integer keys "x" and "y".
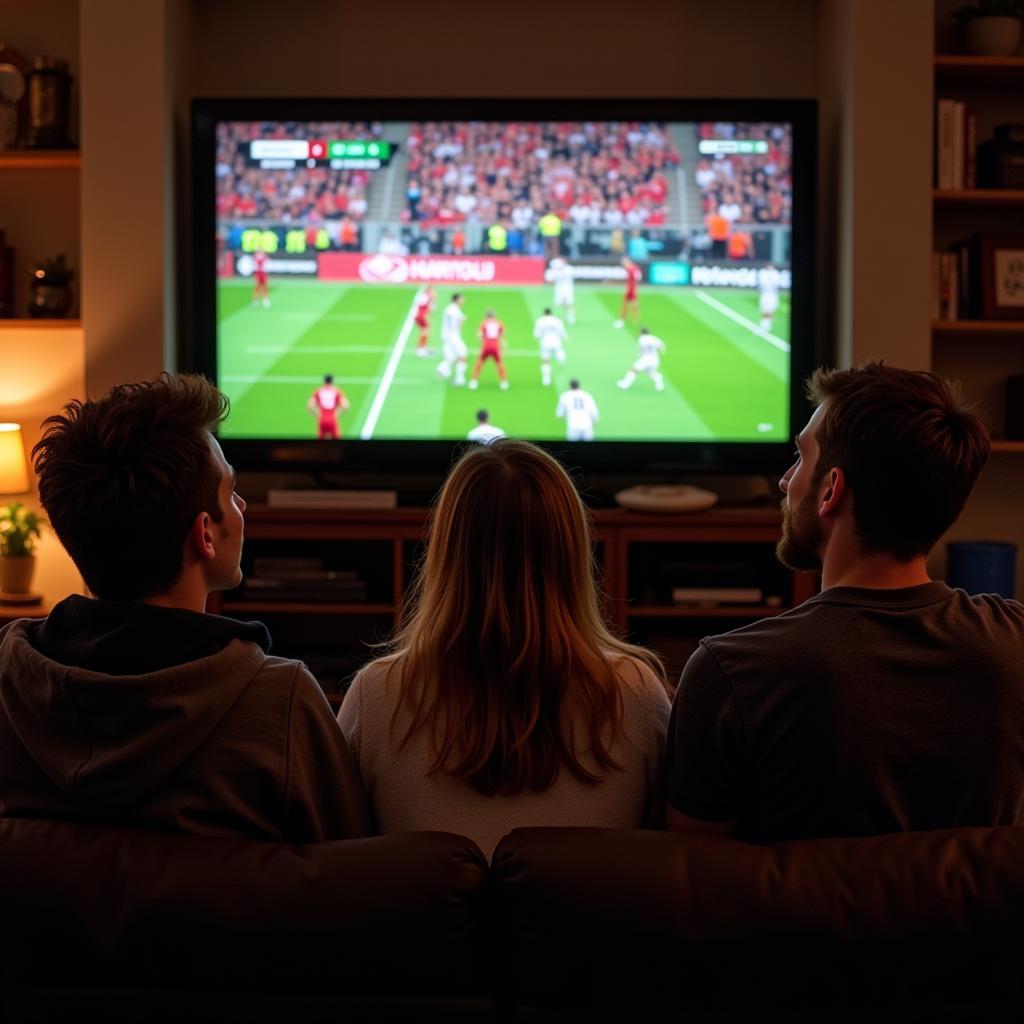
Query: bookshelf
{"x": 978, "y": 352}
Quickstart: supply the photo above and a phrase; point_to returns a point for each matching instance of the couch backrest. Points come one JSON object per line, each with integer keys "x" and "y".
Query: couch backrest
{"x": 90, "y": 905}
{"x": 705, "y": 920}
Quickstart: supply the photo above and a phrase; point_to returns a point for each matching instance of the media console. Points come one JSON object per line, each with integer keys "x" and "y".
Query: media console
{"x": 329, "y": 583}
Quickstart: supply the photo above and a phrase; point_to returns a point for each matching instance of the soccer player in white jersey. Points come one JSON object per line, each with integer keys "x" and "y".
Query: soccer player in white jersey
{"x": 550, "y": 332}
{"x": 579, "y": 410}
{"x": 484, "y": 432}
{"x": 561, "y": 273}
{"x": 453, "y": 347}
{"x": 769, "y": 280}
{"x": 648, "y": 362}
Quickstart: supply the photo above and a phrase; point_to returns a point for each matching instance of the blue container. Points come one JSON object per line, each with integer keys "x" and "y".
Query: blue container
{"x": 982, "y": 566}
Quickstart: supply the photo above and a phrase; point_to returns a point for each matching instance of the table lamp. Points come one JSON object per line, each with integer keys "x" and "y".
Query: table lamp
{"x": 16, "y": 569}
{"x": 13, "y": 469}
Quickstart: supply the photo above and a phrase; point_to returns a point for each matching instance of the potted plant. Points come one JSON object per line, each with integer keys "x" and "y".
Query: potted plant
{"x": 20, "y": 529}
{"x": 991, "y": 28}
{"x": 51, "y": 288}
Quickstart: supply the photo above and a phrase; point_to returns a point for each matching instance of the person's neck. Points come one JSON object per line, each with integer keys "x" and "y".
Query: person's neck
{"x": 844, "y": 565}
{"x": 189, "y": 593}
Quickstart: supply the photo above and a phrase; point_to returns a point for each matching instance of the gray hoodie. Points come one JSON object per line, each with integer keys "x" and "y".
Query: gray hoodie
{"x": 208, "y": 735}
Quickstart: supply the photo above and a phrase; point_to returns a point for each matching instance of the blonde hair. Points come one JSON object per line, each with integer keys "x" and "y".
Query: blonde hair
{"x": 502, "y": 648}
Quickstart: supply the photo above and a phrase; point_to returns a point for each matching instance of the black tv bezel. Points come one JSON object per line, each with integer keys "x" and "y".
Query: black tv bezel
{"x": 641, "y": 458}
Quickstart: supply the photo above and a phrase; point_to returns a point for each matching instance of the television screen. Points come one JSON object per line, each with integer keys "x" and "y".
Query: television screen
{"x": 625, "y": 278}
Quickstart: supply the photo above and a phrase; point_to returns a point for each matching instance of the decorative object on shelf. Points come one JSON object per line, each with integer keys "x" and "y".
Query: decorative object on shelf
{"x": 991, "y": 28}
{"x": 13, "y": 95}
{"x": 1001, "y": 158}
{"x": 49, "y": 105}
{"x": 6, "y": 277}
{"x": 666, "y": 498}
{"x": 50, "y": 289}
{"x": 982, "y": 566}
{"x": 1001, "y": 270}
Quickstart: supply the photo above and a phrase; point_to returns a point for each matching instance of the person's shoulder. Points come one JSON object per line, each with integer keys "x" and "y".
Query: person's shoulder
{"x": 757, "y": 643}
{"x": 1000, "y": 611}
{"x": 639, "y": 680}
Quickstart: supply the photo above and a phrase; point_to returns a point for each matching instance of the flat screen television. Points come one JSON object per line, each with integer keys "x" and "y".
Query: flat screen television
{"x": 630, "y": 281}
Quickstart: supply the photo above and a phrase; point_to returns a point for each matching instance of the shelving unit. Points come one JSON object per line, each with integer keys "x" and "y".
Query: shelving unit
{"x": 980, "y": 353}
{"x": 336, "y": 637}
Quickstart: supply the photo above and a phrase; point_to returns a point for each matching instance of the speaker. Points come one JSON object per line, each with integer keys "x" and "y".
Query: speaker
{"x": 1015, "y": 407}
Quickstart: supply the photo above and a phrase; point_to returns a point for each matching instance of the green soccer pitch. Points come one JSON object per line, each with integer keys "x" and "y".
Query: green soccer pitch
{"x": 725, "y": 378}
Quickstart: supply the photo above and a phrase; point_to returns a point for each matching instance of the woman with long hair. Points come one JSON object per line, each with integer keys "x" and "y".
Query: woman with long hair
{"x": 504, "y": 700}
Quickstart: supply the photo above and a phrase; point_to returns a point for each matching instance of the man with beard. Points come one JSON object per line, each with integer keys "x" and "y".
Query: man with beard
{"x": 888, "y": 702}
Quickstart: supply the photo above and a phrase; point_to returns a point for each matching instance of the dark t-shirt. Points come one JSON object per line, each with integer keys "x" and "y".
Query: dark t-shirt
{"x": 861, "y": 712}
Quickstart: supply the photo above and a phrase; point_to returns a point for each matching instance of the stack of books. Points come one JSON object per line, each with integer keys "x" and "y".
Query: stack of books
{"x": 956, "y": 146}
{"x": 301, "y": 579}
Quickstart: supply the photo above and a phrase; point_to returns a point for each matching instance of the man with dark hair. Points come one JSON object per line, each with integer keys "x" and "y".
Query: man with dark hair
{"x": 887, "y": 702}
{"x": 134, "y": 706}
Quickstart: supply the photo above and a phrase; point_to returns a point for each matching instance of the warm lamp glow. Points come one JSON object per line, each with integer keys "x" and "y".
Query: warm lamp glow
{"x": 13, "y": 469}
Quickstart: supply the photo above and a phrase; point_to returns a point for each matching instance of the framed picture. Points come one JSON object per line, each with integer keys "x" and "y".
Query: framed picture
{"x": 1001, "y": 263}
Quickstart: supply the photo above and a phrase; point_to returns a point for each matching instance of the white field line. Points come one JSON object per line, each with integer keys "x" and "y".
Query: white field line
{"x": 389, "y": 372}
{"x": 255, "y": 378}
{"x": 782, "y": 346}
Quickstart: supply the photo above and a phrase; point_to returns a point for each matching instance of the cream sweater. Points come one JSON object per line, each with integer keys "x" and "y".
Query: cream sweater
{"x": 404, "y": 798}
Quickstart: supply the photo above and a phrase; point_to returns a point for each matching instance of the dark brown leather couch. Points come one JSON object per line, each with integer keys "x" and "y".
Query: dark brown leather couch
{"x": 148, "y": 926}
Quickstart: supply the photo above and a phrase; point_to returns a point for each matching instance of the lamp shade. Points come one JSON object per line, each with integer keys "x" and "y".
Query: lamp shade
{"x": 13, "y": 469}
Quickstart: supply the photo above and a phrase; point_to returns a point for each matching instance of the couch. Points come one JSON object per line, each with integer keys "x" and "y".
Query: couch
{"x": 149, "y": 926}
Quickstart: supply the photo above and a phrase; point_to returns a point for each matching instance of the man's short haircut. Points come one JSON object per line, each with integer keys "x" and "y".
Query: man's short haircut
{"x": 328, "y": 378}
{"x": 910, "y": 451}
{"x": 123, "y": 478}
{"x": 574, "y": 383}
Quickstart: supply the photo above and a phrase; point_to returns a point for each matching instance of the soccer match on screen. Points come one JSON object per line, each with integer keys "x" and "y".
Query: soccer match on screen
{"x": 609, "y": 281}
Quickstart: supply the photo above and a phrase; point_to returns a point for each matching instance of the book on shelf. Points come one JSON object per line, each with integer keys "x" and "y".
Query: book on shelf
{"x": 296, "y": 498}
{"x": 717, "y": 595}
{"x": 263, "y": 589}
{"x": 956, "y": 146}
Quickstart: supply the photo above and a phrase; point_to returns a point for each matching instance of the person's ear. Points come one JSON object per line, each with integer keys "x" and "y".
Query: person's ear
{"x": 201, "y": 537}
{"x": 832, "y": 495}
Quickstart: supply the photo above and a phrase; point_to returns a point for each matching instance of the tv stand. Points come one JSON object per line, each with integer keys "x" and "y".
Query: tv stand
{"x": 646, "y": 562}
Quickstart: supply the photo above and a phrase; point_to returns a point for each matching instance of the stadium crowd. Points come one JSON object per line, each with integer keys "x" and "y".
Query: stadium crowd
{"x": 748, "y": 189}
{"x": 590, "y": 174}
{"x": 309, "y": 196}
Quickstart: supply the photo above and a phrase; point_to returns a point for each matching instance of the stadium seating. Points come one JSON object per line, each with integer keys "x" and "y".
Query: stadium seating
{"x": 758, "y": 188}
{"x": 614, "y": 174}
{"x": 142, "y": 925}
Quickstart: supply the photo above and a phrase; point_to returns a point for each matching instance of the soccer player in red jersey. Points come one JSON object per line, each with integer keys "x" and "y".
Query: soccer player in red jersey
{"x": 260, "y": 291}
{"x": 424, "y": 307}
{"x": 633, "y": 275}
{"x": 326, "y": 403}
{"x": 492, "y": 336}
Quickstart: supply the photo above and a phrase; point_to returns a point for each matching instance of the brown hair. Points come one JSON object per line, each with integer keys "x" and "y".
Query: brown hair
{"x": 503, "y": 653}
{"x": 122, "y": 479}
{"x": 909, "y": 449}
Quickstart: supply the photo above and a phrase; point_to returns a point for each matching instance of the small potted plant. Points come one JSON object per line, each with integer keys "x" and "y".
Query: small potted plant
{"x": 20, "y": 529}
{"x": 991, "y": 28}
{"x": 51, "y": 288}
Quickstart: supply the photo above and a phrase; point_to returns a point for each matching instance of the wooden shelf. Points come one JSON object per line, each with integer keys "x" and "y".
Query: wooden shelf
{"x": 10, "y": 612}
{"x": 980, "y": 196}
{"x": 1008, "y": 446}
{"x": 306, "y": 608}
{"x": 993, "y": 71}
{"x": 690, "y": 611}
{"x": 40, "y": 160}
{"x": 978, "y": 327}
{"x": 53, "y": 323}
